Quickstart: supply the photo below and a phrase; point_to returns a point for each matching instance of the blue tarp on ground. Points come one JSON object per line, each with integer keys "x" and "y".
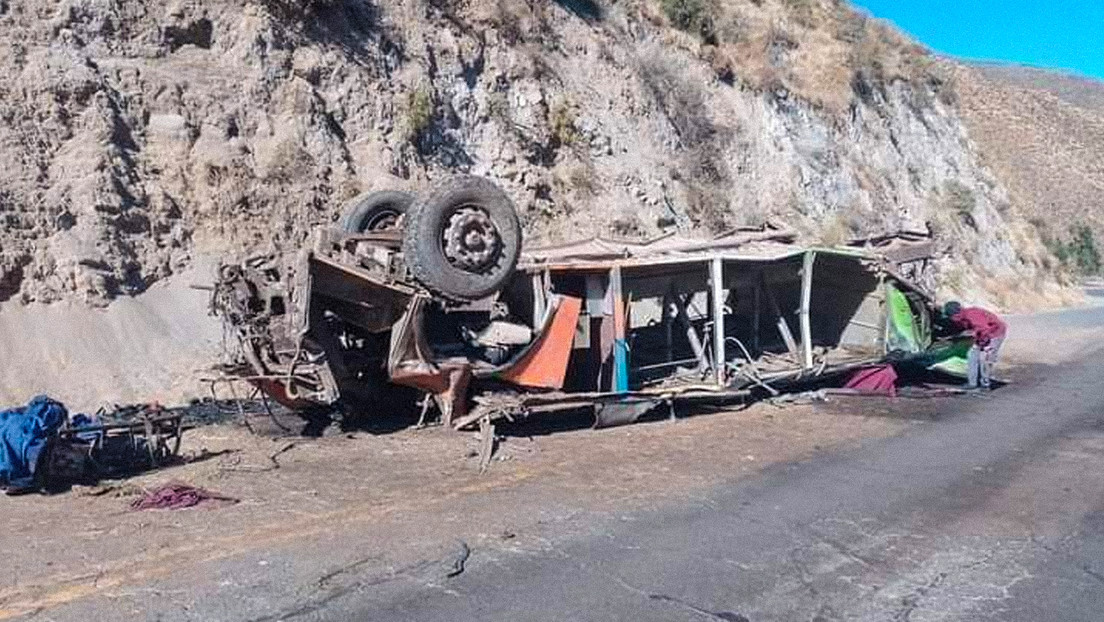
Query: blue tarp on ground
{"x": 24, "y": 433}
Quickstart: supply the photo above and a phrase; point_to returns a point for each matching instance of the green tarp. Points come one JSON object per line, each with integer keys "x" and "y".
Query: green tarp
{"x": 908, "y": 334}
{"x": 904, "y": 334}
{"x": 950, "y": 357}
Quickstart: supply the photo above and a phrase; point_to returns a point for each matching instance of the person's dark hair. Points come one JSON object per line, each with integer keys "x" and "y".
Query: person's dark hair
{"x": 952, "y": 308}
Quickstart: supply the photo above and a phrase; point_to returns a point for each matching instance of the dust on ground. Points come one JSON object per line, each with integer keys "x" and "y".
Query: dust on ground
{"x": 390, "y": 496}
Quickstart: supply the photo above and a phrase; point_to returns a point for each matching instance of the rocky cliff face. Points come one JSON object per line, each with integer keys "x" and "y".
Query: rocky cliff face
{"x": 137, "y": 134}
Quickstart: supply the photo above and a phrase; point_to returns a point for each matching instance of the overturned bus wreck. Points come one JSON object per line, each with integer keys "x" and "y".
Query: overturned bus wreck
{"x": 618, "y": 328}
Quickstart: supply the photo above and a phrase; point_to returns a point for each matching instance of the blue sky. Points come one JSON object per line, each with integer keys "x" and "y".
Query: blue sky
{"x": 1066, "y": 34}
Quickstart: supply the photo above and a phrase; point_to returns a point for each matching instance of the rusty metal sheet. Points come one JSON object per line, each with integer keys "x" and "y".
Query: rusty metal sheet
{"x": 410, "y": 364}
{"x": 545, "y": 365}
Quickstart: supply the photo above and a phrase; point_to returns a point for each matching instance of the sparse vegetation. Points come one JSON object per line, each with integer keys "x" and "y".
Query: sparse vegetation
{"x": 705, "y": 170}
{"x": 954, "y": 280}
{"x": 837, "y": 231}
{"x": 419, "y": 112}
{"x": 721, "y": 63}
{"x": 961, "y": 201}
{"x": 823, "y": 52}
{"x": 693, "y": 16}
{"x": 1079, "y": 252}
{"x": 561, "y": 122}
{"x": 631, "y": 115}
{"x": 880, "y": 54}
{"x": 584, "y": 180}
{"x": 1042, "y": 135}
{"x": 802, "y": 11}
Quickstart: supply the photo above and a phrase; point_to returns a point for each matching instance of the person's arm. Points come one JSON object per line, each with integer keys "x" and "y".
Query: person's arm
{"x": 964, "y": 327}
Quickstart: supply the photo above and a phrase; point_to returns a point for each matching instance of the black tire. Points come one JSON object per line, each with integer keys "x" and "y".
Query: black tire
{"x": 374, "y": 211}
{"x": 434, "y": 216}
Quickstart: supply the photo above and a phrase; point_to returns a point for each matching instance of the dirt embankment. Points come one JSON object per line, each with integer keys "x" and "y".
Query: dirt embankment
{"x": 152, "y": 347}
{"x": 1042, "y": 134}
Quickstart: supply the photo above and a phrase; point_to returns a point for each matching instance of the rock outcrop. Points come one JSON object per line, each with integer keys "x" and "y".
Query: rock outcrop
{"x": 135, "y": 135}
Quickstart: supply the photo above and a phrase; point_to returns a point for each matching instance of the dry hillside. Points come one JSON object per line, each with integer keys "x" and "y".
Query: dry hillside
{"x": 139, "y": 135}
{"x": 1042, "y": 134}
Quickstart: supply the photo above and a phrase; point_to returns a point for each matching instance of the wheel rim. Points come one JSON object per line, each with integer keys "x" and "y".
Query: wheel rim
{"x": 382, "y": 220}
{"x": 470, "y": 240}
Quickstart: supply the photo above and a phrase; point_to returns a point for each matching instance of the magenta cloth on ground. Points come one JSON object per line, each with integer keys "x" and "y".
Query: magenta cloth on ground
{"x": 881, "y": 380}
{"x": 174, "y": 496}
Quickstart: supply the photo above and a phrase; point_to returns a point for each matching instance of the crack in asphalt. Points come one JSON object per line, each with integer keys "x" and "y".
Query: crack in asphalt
{"x": 330, "y": 594}
{"x": 347, "y": 569}
{"x": 723, "y": 616}
{"x": 845, "y": 551}
{"x": 911, "y": 601}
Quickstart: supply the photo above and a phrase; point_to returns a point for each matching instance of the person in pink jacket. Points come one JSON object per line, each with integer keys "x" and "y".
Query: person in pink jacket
{"x": 988, "y": 331}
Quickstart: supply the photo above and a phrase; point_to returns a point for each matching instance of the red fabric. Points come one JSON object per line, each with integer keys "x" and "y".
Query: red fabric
{"x": 881, "y": 380}
{"x": 174, "y": 496}
{"x": 985, "y": 324}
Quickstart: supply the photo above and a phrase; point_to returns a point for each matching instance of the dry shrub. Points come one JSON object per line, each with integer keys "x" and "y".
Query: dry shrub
{"x": 760, "y": 55}
{"x": 577, "y": 176}
{"x": 836, "y": 233}
{"x": 509, "y": 24}
{"x": 733, "y": 24}
{"x": 881, "y": 54}
{"x": 720, "y": 62}
{"x": 498, "y": 109}
{"x": 680, "y": 100}
{"x": 584, "y": 179}
{"x": 703, "y": 169}
{"x": 288, "y": 162}
{"x": 693, "y": 16}
{"x": 561, "y": 124}
{"x": 803, "y": 12}
{"x": 516, "y": 21}
{"x": 626, "y": 226}
{"x": 1078, "y": 252}
{"x": 961, "y": 201}
{"x": 419, "y": 112}
{"x": 823, "y": 52}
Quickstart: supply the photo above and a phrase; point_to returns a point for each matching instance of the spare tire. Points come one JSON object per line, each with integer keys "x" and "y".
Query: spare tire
{"x": 463, "y": 238}
{"x": 374, "y": 211}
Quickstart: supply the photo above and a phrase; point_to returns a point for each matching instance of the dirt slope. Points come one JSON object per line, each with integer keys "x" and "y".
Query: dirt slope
{"x": 142, "y": 348}
{"x": 1042, "y": 134}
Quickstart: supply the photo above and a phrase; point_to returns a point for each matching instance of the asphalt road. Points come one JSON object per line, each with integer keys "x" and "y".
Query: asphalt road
{"x": 992, "y": 511}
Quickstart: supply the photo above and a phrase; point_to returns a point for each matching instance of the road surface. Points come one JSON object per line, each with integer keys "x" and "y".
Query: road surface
{"x": 961, "y": 508}
{"x": 993, "y": 511}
